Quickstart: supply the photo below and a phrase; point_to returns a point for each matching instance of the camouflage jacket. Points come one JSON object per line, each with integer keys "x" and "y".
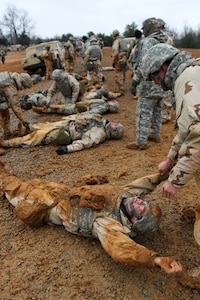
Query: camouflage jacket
{"x": 151, "y": 40}
{"x": 35, "y": 203}
{"x": 69, "y": 88}
{"x": 186, "y": 144}
{"x": 85, "y": 130}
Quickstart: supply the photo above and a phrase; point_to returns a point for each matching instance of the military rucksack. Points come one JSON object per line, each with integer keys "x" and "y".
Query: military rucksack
{"x": 123, "y": 45}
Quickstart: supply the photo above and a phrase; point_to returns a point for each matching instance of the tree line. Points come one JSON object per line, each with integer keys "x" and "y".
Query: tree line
{"x": 17, "y": 27}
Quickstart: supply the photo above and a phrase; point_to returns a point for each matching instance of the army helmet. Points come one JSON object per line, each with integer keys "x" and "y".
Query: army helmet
{"x": 114, "y": 130}
{"x": 115, "y": 33}
{"x": 93, "y": 39}
{"x": 113, "y": 106}
{"x": 149, "y": 222}
{"x": 57, "y": 74}
{"x": 25, "y": 80}
{"x": 149, "y": 26}
{"x": 156, "y": 57}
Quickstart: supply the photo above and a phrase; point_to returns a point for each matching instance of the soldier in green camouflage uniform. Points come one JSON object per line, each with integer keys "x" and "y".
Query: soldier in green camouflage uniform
{"x": 93, "y": 57}
{"x": 149, "y": 104}
{"x": 98, "y": 100}
{"x": 72, "y": 133}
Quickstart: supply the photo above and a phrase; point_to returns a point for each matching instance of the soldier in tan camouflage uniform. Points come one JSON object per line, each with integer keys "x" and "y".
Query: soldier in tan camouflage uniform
{"x": 178, "y": 71}
{"x": 66, "y": 84}
{"x": 68, "y": 57}
{"x": 47, "y": 55}
{"x": 119, "y": 61}
{"x": 112, "y": 214}
{"x": 10, "y": 83}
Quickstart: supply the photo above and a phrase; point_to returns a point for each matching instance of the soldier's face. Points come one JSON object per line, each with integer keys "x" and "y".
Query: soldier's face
{"x": 158, "y": 77}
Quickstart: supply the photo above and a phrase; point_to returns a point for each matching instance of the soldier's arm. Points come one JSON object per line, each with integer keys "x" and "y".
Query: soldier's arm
{"x": 90, "y": 138}
{"x": 188, "y": 163}
{"x": 75, "y": 88}
{"x": 13, "y": 99}
{"x": 51, "y": 91}
{"x": 116, "y": 242}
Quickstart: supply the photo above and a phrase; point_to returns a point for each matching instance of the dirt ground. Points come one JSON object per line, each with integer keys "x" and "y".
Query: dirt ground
{"x": 49, "y": 263}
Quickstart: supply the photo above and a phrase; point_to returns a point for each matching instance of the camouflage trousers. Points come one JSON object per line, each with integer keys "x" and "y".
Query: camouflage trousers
{"x": 96, "y": 71}
{"x": 148, "y": 119}
{"x": 167, "y": 106}
{"x": 119, "y": 78}
{"x": 49, "y": 68}
{"x": 69, "y": 66}
{"x": 5, "y": 122}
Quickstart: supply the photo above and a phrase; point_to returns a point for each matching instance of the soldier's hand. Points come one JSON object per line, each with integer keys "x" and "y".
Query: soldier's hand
{"x": 61, "y": 150}
{"x": 134, "y": 87}
{"x": 169, "y": 265}
{"x": 169, "y": 190}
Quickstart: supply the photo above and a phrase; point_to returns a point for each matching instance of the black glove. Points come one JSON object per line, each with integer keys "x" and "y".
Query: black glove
{"x": 134, "y": 87}
{"x": 26, "y": 124}
{"x": 61, "y": 150}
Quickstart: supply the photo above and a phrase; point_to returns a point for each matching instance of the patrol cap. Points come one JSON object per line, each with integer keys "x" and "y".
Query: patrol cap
{"x": 57, "y": 74}
{"x": 25, "y": 80}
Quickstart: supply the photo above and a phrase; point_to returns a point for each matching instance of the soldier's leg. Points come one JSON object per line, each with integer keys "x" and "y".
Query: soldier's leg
{"x": 156, "y": 121}
{"x": 143, "y": 120}
{"x": 90, "y": 75}
{"x": 117, "y": 79}
{"x": 6, "y": 123}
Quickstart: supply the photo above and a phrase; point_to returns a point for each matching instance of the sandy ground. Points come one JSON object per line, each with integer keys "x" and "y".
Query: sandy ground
{"x": 49, "y": 263}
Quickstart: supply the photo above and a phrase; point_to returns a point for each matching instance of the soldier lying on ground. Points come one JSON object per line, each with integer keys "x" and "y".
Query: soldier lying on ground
{"x": 40, "y": 99}
{"x": 112, "y": 214}
{"x": 95, "y": 106}
{"x": 72, "y": 133}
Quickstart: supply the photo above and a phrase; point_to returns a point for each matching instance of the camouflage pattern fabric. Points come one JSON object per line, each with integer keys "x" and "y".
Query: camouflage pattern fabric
{"x": 186, "y": 144}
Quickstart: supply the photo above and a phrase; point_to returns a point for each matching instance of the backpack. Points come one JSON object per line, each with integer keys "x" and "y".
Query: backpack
{"x": 123, "y": 45}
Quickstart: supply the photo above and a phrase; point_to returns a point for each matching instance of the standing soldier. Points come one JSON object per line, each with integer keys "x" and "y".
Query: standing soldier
{"x": 10, "y": 83}
{"x": 47, "y": 55}
{"x": 68, "y": 57}
{"x": 120, "y": 54}
{"x": 93, "y": 57}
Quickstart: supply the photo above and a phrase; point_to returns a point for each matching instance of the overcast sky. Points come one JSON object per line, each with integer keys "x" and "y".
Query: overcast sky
{"x": 57, "y": 17}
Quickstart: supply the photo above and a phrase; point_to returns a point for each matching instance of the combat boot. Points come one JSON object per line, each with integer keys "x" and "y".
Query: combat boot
{"x": 39, "y": 110}
{"x": 154, "y": 139}
{"x": 134, "y": 146}
{"x": 81, "y": 107}
{"x": 2, "y": 151}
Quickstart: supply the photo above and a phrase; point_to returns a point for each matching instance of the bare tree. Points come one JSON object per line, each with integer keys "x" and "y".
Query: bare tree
{"x": 17, "y": 23}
